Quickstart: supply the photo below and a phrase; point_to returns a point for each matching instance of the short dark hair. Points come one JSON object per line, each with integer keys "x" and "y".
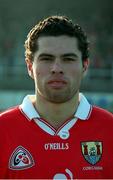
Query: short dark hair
{"x": 56, "y": 26}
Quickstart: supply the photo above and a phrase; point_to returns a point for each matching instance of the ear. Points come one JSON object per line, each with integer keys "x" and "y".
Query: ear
{"x": 85, "y": 65}
{"x": 29, "y": 64}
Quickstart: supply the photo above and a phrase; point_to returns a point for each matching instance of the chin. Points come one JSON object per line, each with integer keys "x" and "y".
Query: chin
{"x": 58, "y": 99}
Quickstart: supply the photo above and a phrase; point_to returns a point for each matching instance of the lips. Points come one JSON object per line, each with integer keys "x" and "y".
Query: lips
{"x": 57, "y": 83}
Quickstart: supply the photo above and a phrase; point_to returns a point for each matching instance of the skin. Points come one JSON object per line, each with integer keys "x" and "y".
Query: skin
{"x": 57, "y": 70}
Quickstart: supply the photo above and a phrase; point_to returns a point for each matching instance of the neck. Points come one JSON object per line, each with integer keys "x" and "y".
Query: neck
{"x": 56, "y": 113}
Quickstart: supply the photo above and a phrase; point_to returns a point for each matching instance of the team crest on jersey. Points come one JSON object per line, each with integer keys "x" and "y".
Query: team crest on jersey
{"x": 21, "y": 159}
{"x": 92, "y": 151}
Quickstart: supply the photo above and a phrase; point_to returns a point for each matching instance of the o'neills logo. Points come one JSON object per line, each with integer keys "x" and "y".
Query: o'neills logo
{"x": 56, "y": 146}
{"x": 92, "y": 151}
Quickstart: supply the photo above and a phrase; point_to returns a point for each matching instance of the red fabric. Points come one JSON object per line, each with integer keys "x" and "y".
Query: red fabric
{"x": 53, "y": 157}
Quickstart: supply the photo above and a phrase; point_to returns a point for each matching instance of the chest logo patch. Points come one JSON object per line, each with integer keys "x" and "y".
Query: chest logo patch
{"x": 21, "y": 159}
{"x": 92, "y": 151}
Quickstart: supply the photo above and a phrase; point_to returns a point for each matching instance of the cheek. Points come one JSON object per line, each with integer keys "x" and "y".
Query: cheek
{"x": 76, "y": 71}
{"x": 39, "y": 71}
{"x": 36, "y": 73}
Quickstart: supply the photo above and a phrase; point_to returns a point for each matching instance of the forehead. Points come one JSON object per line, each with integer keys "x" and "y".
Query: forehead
{"x": 57, "y": 44}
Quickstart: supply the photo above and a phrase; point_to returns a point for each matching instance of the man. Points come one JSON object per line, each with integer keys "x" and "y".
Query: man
{"x": 56, "y": 133}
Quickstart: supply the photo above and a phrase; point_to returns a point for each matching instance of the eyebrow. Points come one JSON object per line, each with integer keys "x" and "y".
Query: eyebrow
{"x": 45, "y": 54}
{"x": 63, "y": 55}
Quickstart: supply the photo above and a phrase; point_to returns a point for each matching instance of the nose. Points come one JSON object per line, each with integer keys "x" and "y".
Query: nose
{"x": 57, "y": 68}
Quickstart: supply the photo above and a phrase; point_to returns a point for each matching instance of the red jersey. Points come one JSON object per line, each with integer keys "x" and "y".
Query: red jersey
{"x": 31, "y": 148}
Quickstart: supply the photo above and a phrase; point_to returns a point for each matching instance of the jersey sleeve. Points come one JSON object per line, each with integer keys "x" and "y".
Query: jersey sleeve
{"x": 3, "y": 151}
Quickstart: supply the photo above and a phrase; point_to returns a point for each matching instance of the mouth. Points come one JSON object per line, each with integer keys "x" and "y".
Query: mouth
{"x": 57, "y": 83}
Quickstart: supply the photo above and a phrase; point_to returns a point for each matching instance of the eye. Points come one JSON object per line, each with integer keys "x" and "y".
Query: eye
{"x": 69, "y": 59}
{"x": 45, "y": 59}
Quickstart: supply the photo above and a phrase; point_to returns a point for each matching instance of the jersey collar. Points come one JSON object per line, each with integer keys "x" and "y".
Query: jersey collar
{"x": 83, "y": 110}
{"x": 63, "y": 132}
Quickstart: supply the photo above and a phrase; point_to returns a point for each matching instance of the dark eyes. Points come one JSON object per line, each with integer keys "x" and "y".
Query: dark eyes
{"x": 69, "y": 59}
{"x": 65, "y": 59}
{"x": 45, "y": 59}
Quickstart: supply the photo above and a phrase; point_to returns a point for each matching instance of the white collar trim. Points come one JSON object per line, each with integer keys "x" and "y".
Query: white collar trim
{"x": 83, "y": 110}
{"x": 28, "y": 108}
{"x": 82, "y": 113}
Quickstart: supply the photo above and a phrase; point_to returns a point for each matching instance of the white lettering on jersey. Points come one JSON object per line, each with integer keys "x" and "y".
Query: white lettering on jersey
{"x": 56, "y": 146}
{"x": 90, "y": 168}
{"x": 67, "y": 175}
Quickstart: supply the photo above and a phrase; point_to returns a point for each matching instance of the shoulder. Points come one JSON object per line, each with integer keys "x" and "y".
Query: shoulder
{"x": 9, "y": 113}
{"x": 101, "y": 113}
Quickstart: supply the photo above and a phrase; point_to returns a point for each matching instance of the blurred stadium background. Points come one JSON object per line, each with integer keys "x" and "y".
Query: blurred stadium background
{"x": 17, "y": 17}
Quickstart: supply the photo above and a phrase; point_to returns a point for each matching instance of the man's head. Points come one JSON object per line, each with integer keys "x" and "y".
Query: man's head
{"x": 56, "y": 26}
{"x": 57, "y": 58}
